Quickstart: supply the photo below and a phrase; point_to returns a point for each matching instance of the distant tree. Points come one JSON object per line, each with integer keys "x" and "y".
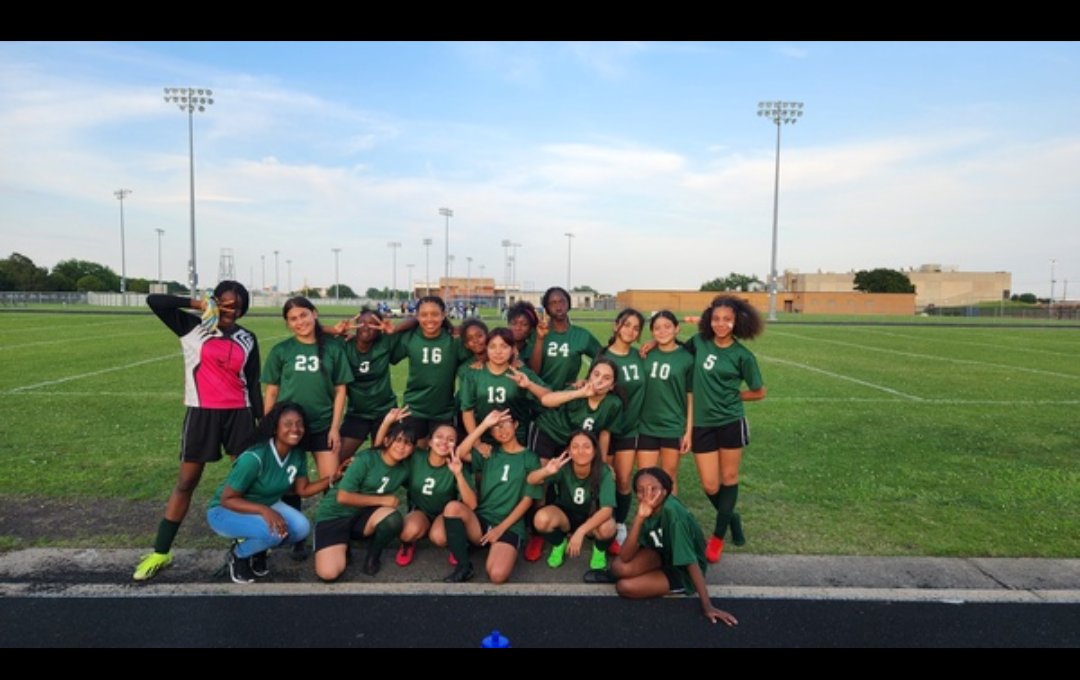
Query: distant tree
{"x": 89, "y": 283}
{"x": 346, "y": 292}
{"x": 18, "y": 272}
{"x": 883, "y": 280}
{"x": 310, "y": 293}
{"x": 1024, "y": 297}
{"x": 732, "y": 281}
{"x": 73, "y": 270}
{"x": 373, "y": 293}
{"x": 138, "y": 285}
{"x": 584, "y": 289}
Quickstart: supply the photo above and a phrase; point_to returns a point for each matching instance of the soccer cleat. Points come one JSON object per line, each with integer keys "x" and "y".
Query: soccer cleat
{"x": 534, "y": 549}
{"x": 240, "y": 568}
{"x": 558, "y": 554}
{"x": 299, "y": 551}
{"x": 620, "y": 538}
{"x": 259, "y": 567}
{"x": 372, "y": 564}
{"x": 737, "y": 535}
{"x": 462, "y": 572}
{"x": 405, "y": 554}
{"x": 151, "y": 564}
{"x": 714, "y": 548}
{"x": 451, "y": 559}
{"x": 598, "y": 561}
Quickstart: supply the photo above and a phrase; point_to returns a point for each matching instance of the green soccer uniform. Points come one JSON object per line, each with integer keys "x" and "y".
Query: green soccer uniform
{"x": 370, "y": 394}
{"x": 561, "y": 360}
{"x": 717, "y": 380}
{"x": 675, "y": 534}
{"x": 631, "y": 378}
{"x": 433, "y": 365}
{"x": 574, "y": 496}
{"x": 503, "y": 485}
{"x": 559, "y": 423}
{"x": 668, "y": 378}
{"x": 431, "y": 488}
{"x": 483, "y": 392}
{"x": 305, "y": 378}
{"x": 261, "y": 477}
{"x": 369, "y": 475}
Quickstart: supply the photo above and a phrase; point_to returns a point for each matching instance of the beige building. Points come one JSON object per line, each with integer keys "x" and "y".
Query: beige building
{"x": 692, "y": 303}
{"x": 937, "y": 285}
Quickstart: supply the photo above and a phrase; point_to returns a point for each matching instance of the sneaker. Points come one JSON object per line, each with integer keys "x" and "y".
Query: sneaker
{"x": 300, "y": 551}
{"x": 737, "y": 535}
{"x": 240, "y": 568}
{"x": 259, "y": 567}
{"x": 372, "y": 564}
{"x": 714, "y": 548}
{"x": 151, "y": 564}
{"x": 534, "y": 549}
{"x": 405, "y": 554}
{"x": 558, "y": 554}
{"x": 462, "y": 572}
{"x": 620, "y": 537}
{"x": 598, "y": 561}
{"x": 451, "y": 559}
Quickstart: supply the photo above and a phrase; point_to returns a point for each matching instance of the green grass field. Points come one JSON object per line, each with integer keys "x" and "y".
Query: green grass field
{"x": 874, "y": 440}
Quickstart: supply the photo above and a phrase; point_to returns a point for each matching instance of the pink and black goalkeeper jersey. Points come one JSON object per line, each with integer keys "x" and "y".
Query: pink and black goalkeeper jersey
{"x": 221, "y": 369}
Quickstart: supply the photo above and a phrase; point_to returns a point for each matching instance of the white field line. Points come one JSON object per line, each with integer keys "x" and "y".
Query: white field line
{"x": 839, "y": 376}
{"x": 973, "y": 343}
{"x": 931, "y": 401}
{"x": 46, "y": 329}
{"x": 76, "y": 340}
{"x": 178, "y": 394}
{"x": 917, "y": 355}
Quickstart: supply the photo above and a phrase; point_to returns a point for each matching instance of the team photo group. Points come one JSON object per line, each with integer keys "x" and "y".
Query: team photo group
{"x": 495, "y": 447}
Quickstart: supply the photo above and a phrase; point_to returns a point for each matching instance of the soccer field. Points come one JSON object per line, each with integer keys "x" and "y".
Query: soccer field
{"x": 875, "y": 440}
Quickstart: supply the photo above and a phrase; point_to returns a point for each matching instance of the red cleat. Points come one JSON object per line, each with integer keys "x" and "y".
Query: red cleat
{"x": 534, "y": 549}
{"x": 614, "y": 549}
{"x": 405, "y": 554}
{"x": 452, "y": 559}
{"x": 714, "y": 548}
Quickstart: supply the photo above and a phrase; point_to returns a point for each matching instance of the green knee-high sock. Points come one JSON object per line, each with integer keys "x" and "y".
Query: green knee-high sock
{"x": 386, "y": 531}
{"x": 166, "y": 533}
{"x": 554, "y": 537}
{"x": 456, "y": 539}
{"x": 725, "y": 506}
{"x": 622, "y": 507}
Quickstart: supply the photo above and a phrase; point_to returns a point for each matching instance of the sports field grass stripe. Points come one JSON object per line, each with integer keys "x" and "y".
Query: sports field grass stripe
{"x": 930, "y": 401}
{"x": 918, "y": 355}
{"x": 48, "y": 329}
{"x": 16, "y": 390}
{"x": 80, "y": 339}
{"x": 178, "y": 394}
{"x": 973, "y": 343}
{"x": 840, "y": 376}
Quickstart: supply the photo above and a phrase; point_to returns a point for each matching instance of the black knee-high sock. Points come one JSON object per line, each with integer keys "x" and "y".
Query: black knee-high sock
{"x": 166, "y": 533}
{"x": 622, "y": 507}
{"x": 386, "y": 531}
{"x": 714, "y": 498}
{"x": 456, "y": 539}
{"x": 604, "y": 544}
{"x": 725, "y": 505}
{"x": 554, "y": 537}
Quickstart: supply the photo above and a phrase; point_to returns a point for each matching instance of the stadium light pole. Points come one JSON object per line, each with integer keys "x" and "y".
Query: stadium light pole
{"x": 191, "y": 99}
{"x": 427, "y": 266}
{"x": 121, "y": 194}
{"x": 410, "y": 268}
{"x": 393, "y": 245}
{"x": 569, "y": 247}
{"x": 337, "y": 284}
{"x": 263, "y": 259}
{"x": 468, "y": 278}
{"x": 506, "y": 243}
{"x": 513, "y": 263}
{"x": 277, "y": 277}
{"x": 447, "y": 213}
{"x": 1052, "y": 280}
{"x": 288, "y": 275}
{"x": 160, "y": 233}
{"x": 779, "y": 113}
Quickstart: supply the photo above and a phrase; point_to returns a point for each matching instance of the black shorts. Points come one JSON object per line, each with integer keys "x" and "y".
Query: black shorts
{"x": 340, "y": 530}
{"x": 315, "y": 441}
{"x": 676, "y": 585}
{"x": 508, "y": 537}
{"x": 624, "y": 444}
{"x": 359, "y": 428}
{"x": 543, "y": 445}
{"x": 576, "y": 519}
{"x": 416, "y": 508}
{"x": 735, "y": 435}
{"x": 207, "y": 430}
{"x": 422, "y": 427}
{"x": 647, "y": 442}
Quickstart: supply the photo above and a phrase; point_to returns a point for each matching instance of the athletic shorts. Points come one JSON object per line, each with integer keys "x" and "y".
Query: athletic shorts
{"x": 543, "y": 445}
{"x": 508, "y": 537}
{"x": 676, "y": 585}
{"x": 359, "y": 428}
{"x": 207, "y": 430}
{"x": 624, "y": 444}
{"x": 315, "y": 441}
{"x": 331, "y": 532}
{"x": 734, "y": 435}
{"x": 422, "y": 427}
{"x": 647, "y": 442}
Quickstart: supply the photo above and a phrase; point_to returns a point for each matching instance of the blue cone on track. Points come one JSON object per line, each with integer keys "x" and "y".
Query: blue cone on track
{"x": 495, "y": 641}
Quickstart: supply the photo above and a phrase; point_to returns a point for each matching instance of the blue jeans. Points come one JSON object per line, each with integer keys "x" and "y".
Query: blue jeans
{"x": 254, "y": 530}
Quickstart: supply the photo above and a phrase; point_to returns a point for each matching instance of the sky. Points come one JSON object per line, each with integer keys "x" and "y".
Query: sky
{"x": 651, "y": 154}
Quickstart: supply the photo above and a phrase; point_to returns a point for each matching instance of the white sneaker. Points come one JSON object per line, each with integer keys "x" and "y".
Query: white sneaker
{"x": 620, "y": 533}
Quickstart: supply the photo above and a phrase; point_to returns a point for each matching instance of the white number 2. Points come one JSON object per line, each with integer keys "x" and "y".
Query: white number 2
{"x": 429, "y": 486}
{"x": 306, "y": 363}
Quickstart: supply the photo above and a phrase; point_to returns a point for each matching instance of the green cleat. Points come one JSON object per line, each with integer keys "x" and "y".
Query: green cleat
{"x": 598, "y": 560}
{"x": 558, "y": 554}
{"x": 151, "y": 564}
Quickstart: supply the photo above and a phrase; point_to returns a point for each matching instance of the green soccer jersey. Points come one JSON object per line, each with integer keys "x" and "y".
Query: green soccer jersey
{"x": 559, "y": 423}
{"x": 430, "y": 487}
{"x": 483, "y": 392}
{"x": 574, "y": 496}
{"x": 631, "y": 378}
{"x": 668, "y": 379}
{"x": 433, "y": 365}
{"x": 370, "y": 394}
{"x": 562, "y": 355}
{"x": 260, "y": 476}
{"x": 503, "y": 484}
{"x": 674, "y": 533}
{"x": 369, "y": 475}
{"x": 718, "y": 378}
{"x": 308, "y": 379}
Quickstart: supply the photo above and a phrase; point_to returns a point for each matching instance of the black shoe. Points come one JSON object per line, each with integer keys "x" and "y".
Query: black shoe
{"x": 599, "y": 576}
{"x": 462, "y": 572}
{"x": 239, "y": 568}
{"x": 299, "y": 551}
{"x": 259, "y": 567}
{"x": 372, "y": 564}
